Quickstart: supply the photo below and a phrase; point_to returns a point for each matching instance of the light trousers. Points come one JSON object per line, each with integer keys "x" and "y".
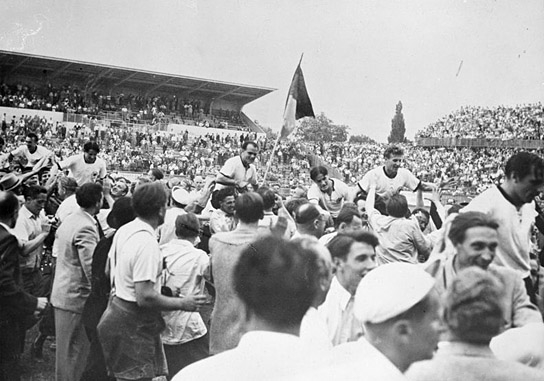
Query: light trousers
{"x": 72, "y": 346}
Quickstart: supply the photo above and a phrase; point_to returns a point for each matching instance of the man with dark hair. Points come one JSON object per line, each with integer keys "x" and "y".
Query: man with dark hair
{"x": 16, "y": 304}
{"x": 274, "y": 280}
{"x": 225, "y": 248}
{"x": 239, "y": 171}
{"x": 473, "y": 315}
{"x": 512, "y": 205}
{"x": 330, "y": 194}
{"x": 401, "y": 239}
{"x": 348, "y": 220}
{"x": 86, "y": 167}
{"x": 155, "y": 174}
{"x": 222, "y": 218}
{"x": 310, "y": 221}
{"x": 75, "y": 241}
{"x": 133, "y": 319}
{"x": 391, "y": 178}
{"x": 475, "y": 238}
{"x": 31, "y": 230}
{"x": 353, "y": 256}
{"x": 31, "y": 153}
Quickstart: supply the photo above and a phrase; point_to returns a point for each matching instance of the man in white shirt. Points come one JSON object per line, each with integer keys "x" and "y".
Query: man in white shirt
{"x": 132, "y": 320}
{"x": 512, "y": 206}
{"x": 354, "y": 256}
{"x": 239, "y": 171}
{"x": 390, "y": 178}
{"x": 330, "y": 194}
{"x": 31, "y": 153}
{"x": 86, "y": 167}
{"x": 275, "y": 280}
{"x": 400, "y": 311}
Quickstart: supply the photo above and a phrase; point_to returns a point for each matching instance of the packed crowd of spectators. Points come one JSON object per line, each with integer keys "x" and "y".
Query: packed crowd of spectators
{"x": 130, "y": 107}
{"x": 501, "y": 122}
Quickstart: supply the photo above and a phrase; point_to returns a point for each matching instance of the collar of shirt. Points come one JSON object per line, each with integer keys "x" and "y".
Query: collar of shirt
{"x": 27, "y": 213}
{"x": 338, "y": 292}
{"x": 457, "y": 348}
{"x": 269, "y": 339}
{"x": 8, "y": 229}
{"x": 246, "y": 166}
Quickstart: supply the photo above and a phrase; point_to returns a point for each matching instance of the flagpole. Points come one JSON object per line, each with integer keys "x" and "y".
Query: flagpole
{"x": 271, "y": 158}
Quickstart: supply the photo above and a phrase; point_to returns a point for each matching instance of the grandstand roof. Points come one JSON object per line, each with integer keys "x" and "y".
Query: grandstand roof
{"x": 97, "y": 75}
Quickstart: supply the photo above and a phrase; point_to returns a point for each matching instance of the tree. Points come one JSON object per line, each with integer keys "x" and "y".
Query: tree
{"x": 322, "y": 129}
{"x": 270, "y": 134}
{"x": 397, "y": 126}
{"x": 359, "y": 139}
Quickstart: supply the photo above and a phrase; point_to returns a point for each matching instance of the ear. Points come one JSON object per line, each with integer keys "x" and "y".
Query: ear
{"x": 403, "y": 331}
{"x": 342, "y": 226}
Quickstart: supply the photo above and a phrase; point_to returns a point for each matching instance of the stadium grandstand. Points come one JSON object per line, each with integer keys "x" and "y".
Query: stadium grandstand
{"x": 122, "y": 96}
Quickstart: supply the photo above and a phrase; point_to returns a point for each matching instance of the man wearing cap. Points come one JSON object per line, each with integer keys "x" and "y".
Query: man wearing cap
{"x": 310, "y": 221}
{"x": 474, "y": 236}
{"x": 86, "y": 167}
{"x": 239, "y": 171}
{"x": 330, "y": 194}
{"x": 227, "y": 323}
{"x": 180, "y": 199}
{"x": 31, "y": 152}
{"x": 354, "y": 256}
{"x": 75, "y": 241}
{"x": 400, "y": 313}
{"x": 473, "y": 315}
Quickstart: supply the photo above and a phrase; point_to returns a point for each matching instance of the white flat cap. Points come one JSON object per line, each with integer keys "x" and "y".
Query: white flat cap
{"x": 390, "y": 290}
{"x": 181, "y": 196}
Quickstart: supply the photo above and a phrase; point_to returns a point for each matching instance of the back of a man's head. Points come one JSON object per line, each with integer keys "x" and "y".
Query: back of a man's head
{"x": 397, "y": 206}
{"x": 249, "y": 207}
{"x": 473, "y": 309}
{"x": 275, "y": 279}
{"x": 88, "y": 195}
{"x": 9, "y": 205}
{"x": 268, "y": 196}
{"x": 148, "y": 199}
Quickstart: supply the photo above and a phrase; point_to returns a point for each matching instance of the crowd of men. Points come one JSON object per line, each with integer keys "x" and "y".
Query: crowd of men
{"x": 221, "y": 277}
{"x": 501, "y": 122}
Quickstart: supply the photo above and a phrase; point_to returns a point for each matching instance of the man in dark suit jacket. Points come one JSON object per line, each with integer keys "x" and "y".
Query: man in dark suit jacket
{"x": 15, "y": 302}
{"x": 75, "y": 242}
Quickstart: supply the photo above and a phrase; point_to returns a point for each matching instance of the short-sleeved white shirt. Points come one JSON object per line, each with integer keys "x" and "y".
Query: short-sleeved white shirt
{"x": 84, "y": 172}
{"x": 387, "y": 186}
{"x": 135, "y": 257}
{"x": 235, "y": 169}
{"x": 333, "y": 202}
{"x": 32, "y": 158}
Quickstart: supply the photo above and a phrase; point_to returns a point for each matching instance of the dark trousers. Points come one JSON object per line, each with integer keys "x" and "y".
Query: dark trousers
{"x": 95, "y": 370}
{"x": 182, "y": 355}
{"x": 10, "y": 349}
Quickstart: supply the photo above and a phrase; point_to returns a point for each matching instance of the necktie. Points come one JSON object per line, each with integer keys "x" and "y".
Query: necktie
{"x": 349, "y": 329}
{"x": 100, "y": 231}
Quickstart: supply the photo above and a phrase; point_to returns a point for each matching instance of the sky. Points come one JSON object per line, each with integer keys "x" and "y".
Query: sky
{"x": 361, "y": 57}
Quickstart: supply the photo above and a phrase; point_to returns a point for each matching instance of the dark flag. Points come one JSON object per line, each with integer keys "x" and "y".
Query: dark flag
{"x": 298, "y": 104}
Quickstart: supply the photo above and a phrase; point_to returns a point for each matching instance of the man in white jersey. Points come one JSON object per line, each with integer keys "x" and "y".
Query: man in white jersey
{"x": 390, "y": 178}
{"x": 86, "y": 167}
{"x": 330, "y": 194}
{"x": 30, "y": 152}
{"x": 512, "y": 205}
